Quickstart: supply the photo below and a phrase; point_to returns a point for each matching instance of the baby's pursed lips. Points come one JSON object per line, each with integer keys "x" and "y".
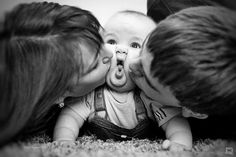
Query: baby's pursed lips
{"x": 120, "y": 62}
{"x": 119, "y": 74}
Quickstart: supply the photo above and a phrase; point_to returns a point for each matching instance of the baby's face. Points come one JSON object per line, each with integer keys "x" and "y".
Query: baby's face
{"x": 123, "y": 36}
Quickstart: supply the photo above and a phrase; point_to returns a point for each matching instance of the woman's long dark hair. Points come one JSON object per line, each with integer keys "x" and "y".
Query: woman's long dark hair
{"x": 38, "y": 46}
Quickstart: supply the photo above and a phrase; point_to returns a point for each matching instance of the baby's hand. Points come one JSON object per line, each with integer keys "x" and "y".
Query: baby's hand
{"x": 66, "y": 143}
{"x": 173, "y": 146}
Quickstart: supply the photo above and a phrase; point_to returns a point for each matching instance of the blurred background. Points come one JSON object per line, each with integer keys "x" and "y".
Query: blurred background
{"x": 102, "y": 9}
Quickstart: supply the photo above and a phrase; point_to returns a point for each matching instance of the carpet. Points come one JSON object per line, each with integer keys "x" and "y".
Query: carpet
{"x": 89, "y": 146}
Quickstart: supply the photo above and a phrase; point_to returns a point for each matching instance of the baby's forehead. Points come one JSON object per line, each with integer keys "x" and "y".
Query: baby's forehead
{"x": 121, "y": 23}
{"x": 126, "y": 18}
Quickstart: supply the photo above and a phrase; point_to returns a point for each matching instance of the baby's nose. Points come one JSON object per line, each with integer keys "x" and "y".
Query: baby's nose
{"x": 122, "y": 50}
{"x": 121, "y": 53}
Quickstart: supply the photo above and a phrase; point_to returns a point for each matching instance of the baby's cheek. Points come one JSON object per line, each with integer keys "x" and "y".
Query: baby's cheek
{"x": 108, "y": 76}
{"x": 134, "y": 53}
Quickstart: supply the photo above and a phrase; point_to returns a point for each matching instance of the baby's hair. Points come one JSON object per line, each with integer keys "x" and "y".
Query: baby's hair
{"x": 134, "y": 12}
{"x": 194, "y": 54}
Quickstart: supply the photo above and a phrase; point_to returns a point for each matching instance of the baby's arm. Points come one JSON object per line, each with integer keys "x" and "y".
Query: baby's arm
{"x": 67, "y": 126}
{"x": 178, "y": 134}
{"x": 176, "y": 127}
{"x": 71, "y": 119}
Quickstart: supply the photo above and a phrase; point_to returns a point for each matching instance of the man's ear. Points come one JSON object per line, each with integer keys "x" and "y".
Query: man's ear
{"x": 199, "y": 115}
{"x": 188, "y": 113}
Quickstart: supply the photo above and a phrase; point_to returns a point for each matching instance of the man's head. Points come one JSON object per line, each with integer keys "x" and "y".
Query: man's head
{"x": 123, "y": 35}
{"x": 189, "y": 61}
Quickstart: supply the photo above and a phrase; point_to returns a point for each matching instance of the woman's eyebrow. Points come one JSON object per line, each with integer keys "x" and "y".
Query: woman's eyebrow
{"x": 94, "y": 63}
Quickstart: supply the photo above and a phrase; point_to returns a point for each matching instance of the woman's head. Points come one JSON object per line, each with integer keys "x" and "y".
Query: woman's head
{"x": 43, "y": 52}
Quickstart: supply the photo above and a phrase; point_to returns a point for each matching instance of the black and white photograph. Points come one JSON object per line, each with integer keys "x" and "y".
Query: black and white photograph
{"x": 98, "y": 78}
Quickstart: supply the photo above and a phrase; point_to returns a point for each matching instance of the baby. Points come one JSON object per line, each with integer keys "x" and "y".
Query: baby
{"x": 113, "y": 110}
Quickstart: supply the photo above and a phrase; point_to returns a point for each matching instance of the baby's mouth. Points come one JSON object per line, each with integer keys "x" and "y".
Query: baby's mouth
{"x": 118, "y": 77}
{"x": 120, "y": 69}
{"x": 120, "y": 62}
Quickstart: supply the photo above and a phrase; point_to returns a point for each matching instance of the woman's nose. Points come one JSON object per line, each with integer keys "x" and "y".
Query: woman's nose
{"x": 107, "y": 52}
{"x": 106, "y": 55}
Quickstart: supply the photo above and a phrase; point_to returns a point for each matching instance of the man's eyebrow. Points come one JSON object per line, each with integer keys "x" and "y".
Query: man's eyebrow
{"x": 148, "y": 82}
{"x": 143, "y": 46}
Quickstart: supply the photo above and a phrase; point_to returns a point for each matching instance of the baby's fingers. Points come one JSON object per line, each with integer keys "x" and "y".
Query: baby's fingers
{"x": 173, "y": 146}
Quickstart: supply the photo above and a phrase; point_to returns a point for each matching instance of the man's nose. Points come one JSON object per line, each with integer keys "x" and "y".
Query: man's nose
{"x": 121, "y": 53}
{"x": 136, "y": 67}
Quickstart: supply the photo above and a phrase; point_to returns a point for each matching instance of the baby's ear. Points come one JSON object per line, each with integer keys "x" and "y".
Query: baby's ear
{"x": 188, "y": 113}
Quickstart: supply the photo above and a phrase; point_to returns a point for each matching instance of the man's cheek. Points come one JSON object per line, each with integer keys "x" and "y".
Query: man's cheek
{"x": 146, "y": 88}
{"x": 141, "y": 83}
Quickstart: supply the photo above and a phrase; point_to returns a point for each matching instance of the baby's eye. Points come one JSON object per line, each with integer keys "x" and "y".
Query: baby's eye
{"x": 135, "y": 45}
{"x": 112, "y": 42}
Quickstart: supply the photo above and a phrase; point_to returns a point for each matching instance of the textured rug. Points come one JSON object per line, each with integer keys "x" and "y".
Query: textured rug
{"x": 89, "y": 146}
